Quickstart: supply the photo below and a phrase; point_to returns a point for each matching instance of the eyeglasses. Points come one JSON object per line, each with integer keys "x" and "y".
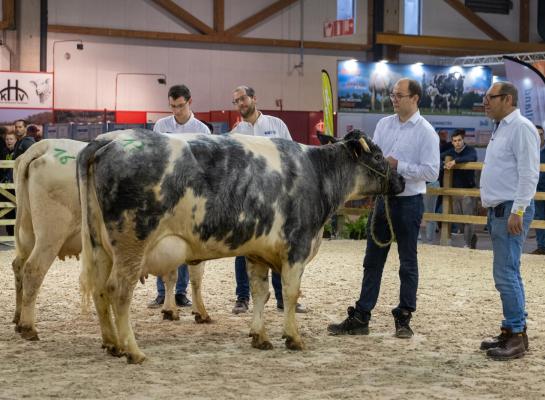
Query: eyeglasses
{"x": 240, "y": 99}
{"x": 489, "y": 97}
{"x": 398, "y": 96}
{"x": 178, "y": 106}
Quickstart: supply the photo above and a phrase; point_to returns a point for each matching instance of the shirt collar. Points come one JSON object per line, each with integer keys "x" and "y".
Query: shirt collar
{"x": 191, "y": 116}
{"x": 413, "y": 120}
{"x": 511, "y": 116}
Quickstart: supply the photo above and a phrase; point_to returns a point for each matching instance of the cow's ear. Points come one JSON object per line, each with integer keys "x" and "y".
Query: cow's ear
{"x": 325, "y": 139}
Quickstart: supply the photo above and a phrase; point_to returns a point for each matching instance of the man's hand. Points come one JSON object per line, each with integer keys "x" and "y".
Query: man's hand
{"x": 514, "y": 224}
{"x": 450, "y": 164}
{"x": 392, "y": 161}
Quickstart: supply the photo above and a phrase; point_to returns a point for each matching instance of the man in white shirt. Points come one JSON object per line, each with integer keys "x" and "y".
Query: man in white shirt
{"x": 508, "y": 186}
{"x": 411, "y": 146}
{"x": 182, "y": 120}
{"x": 257, "y": 124}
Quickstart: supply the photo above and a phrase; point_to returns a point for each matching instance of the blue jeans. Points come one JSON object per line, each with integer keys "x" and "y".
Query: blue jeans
{"x": 430, "y": 204}
{"x": 243, "y": 285}
{"x": 181, "y": 283}
{"x": 540, "y": 233}
{"x": 406, "y": 214}
{"x": 507, "y": 250}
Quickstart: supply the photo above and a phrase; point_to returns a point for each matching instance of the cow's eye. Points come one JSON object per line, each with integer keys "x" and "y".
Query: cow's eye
{"x": 377, "y": 157}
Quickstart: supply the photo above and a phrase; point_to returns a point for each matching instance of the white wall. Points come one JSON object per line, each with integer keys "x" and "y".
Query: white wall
{"x": 86, "y": 79}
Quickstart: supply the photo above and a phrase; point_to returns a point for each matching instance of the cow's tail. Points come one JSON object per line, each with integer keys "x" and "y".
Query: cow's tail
{"x": 20, "y": 178}
{"x": 93, "y": 255}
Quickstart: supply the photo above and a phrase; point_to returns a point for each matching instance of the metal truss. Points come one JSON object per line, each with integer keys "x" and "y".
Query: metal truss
{"x": 471, "y": 61}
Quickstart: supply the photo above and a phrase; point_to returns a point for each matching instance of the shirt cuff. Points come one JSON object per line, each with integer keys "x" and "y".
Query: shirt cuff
{"x": 519, "y": 207}
{"x": 401, "y": 167}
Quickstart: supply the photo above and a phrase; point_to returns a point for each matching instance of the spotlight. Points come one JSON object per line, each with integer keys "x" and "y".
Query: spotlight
{"x": 79, "y": 46}
{"x": 162, "y": 81}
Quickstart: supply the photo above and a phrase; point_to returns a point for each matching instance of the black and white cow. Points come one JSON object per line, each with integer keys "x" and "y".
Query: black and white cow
{"x": 151, "y": 200}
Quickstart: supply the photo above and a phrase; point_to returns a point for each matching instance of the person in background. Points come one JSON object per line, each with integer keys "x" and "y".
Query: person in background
{"x": 464, "y": 205}
{"x": 411, "y": 146}
{"x": 508, "y": 186}
{"x": 540, "y": 205}
{"x": 257, "y": 124}
{"x": 34, "y": 132}
{"x": 7, "y": 176}
{"x": 181, "y": 121}
{"x": 23, "y": 140}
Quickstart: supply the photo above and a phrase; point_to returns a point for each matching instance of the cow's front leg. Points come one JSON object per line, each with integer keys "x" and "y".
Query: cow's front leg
{"x": 291, "y": 283}
{"x": 259, "y": 284}
{"x": 169, "y": 310}
{"x": 196, "y": 273}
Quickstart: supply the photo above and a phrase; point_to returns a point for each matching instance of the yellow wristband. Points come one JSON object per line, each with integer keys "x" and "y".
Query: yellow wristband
{"x": 520, "y": 213}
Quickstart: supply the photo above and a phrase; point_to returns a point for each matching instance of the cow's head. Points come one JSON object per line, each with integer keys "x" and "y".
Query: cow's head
{"x": 373, "y": 172}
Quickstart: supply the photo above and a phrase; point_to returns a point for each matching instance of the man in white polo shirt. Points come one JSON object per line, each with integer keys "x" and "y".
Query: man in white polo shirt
{"x": 255, "y": 123}
{"x": 182, "y": 120}
{"x": 508, "y": 186}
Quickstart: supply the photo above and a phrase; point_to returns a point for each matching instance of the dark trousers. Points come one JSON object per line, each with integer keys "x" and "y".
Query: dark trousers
{"x": 406, "y": 214}
{"x": 243, "y": 284}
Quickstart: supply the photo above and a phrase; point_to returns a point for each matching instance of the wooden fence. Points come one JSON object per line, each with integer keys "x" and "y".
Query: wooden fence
{"x": 447, "y": 191}
{"x": 7, "y": 201}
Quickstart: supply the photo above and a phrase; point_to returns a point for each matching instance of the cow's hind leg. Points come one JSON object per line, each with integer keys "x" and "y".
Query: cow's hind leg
{"x": 169, "y": 310}
{"x": 291, "y": 283}
{"x": 196, "y": 273}
{"x": 259, "y": 284}
{"x": 120, "y": 286}
{"x": 17, "y": 266}
{"x": 98, "y": 271}
{"x": 33, "y": 273}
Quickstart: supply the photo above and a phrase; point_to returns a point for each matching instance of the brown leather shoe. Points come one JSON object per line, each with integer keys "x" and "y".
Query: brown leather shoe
{"x": 497, "y": 341}
{"x": 538, "y": 251}
{"x": 513, "y": 347}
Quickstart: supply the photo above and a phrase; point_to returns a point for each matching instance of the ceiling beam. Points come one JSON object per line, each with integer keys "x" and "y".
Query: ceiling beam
{"x": 524, "y": 21}
{"x": 216, "y": 39}
{"x": 440, "y": 42}
{"x": 476, "y": 20}
{"x": 442, "y": 52}
{"x": 255, "y": 19}
{"x": 184, "y": 16}
{"x": 219, "y": 15}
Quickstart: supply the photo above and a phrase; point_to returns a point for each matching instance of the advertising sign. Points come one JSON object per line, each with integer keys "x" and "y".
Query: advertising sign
{"x": 26, "y": 90}
{"x": 365, "y": 87}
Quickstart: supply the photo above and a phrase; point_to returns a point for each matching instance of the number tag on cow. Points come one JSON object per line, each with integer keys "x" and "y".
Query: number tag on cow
{"x": 62, "y": 157}
{"x": 132, "y": 144}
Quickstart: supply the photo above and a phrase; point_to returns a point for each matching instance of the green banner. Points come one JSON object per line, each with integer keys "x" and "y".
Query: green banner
{"x": 327, "y": 99}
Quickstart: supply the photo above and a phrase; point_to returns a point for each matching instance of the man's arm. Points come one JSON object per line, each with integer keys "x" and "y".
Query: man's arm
{"x": 469, "y": 155}
{"x": 427, "y": 167}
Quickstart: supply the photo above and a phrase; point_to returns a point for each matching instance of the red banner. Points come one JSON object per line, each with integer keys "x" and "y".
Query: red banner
{"x": 339, "y": 27}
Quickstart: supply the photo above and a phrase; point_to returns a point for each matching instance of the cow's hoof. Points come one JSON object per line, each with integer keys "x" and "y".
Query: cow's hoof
{"x": 28, "y": 333}
{"x": 136, "y": 358}
{"x": 170, "y": 315}
{"x": 292, "y": 344}
{"x": 17, "y": 328}
{"x": 201, "y": 320}
{"x": 261, "y": 345}
{"x": 16, "y": 319}
{"x": 113, "y": 350}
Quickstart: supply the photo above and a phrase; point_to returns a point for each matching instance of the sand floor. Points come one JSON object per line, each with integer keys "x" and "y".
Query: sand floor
{"x": 458, "y": 306}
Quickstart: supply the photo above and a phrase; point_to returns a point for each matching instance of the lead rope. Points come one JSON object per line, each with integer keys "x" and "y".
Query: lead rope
{"x": 386, "y": 211}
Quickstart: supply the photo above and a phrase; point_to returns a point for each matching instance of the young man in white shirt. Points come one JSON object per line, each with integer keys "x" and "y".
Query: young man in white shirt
{"x": 411, "y": 146}
{"x": 182, "y": 120}
{"x": 508, "y": 186}
{"x": 257, "y": 124}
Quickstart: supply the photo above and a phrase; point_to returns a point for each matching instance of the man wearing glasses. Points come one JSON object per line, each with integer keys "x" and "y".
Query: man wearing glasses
{"x": 257, "y": 124}
{"x": 182, "y": 120}
{"x": 508, "y": 186}
{"x": 411, "y": 146}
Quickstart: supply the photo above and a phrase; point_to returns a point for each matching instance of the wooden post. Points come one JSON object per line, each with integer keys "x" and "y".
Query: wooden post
{"x": 447, "y": 205}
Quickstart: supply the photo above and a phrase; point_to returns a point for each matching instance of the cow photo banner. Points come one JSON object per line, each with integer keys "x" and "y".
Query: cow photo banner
{"x": 452, "y": 90}
{"x": 25, "y": 90}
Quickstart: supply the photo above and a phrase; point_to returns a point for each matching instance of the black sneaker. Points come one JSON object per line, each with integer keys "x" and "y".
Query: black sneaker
{"x": 356, "y": 323}
{"x": 157, "y": 302}
{"x": 182, "y": 300}
{"x": 299, "y": 308}
{"x": 402, "y": 318}
{"x": 241, "y": 306}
